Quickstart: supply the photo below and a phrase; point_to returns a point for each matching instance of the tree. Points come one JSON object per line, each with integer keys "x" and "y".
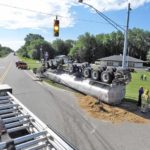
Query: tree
{"x": 31, "y": 37}
{"x": 89, "y": 47}
{"x": 38, "y": 45}
{"x": 148, "y": 55}
{"x": 34, "y": 43}
{"x": 139, "y": 43}
{"x": 69, "y": 44}
{"x": 60, "y": 47}
{"x": 5, "y": 51}
{"x": 85, "y": 48}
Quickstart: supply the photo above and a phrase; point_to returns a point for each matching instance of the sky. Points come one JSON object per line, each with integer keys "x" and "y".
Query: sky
{"x": 21, "y": 17}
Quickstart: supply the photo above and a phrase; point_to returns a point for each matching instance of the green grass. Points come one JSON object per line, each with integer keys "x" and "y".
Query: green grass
{"x": 54, "y": 83}
{"x": 133, "y": 87}
{"x": 50, "y": 82}
{"x": 31, "y": 62}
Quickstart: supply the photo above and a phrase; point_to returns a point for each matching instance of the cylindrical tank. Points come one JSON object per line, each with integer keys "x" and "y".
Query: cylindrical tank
{"x": 111, "y": 94}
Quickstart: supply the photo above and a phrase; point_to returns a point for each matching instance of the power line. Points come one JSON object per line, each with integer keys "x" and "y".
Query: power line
{"x": 49, "y": 14}
{"x": 35, "y": 11}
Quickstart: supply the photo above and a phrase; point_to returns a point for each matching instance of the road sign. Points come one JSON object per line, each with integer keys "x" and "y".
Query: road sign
{"x": 46, "y": 55}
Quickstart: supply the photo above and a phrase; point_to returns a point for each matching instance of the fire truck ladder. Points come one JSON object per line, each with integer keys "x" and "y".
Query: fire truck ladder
{"x": 20, "y": 129}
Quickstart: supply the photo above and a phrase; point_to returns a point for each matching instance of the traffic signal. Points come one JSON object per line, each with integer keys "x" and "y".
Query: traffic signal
{"x": 80, "y": 1}
{"x": 56, "y": 27}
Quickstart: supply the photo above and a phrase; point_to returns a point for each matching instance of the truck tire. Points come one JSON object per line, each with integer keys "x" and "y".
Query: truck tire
{"x": 106, "y": 77}
{"x": 76, "y": 68}
{"x": 87, "y": 73}
{"x": 95, "y": 75}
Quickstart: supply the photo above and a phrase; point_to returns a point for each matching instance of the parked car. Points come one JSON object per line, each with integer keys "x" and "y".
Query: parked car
{"x": 17, "y": 63}
{"x": 21, "y": 65}
{"x": 147, "y": 69}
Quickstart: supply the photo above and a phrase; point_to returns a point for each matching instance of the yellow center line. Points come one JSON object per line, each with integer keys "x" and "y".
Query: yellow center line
{"x": 2, "y": 78}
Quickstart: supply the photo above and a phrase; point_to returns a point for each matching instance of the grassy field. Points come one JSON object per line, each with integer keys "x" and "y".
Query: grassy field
{"x": 133, "y": 87}
{"x": 31, "y": 63}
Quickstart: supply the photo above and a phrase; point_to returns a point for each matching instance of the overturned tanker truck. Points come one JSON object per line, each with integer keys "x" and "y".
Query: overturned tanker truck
{"x": 105, "y": 83}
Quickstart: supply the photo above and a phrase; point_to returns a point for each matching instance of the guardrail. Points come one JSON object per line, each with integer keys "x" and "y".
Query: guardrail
{"x": 28, "y": 131}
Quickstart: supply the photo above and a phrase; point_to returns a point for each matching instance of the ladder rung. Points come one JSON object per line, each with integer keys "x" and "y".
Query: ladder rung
{"x": 9, "y": 115}
{"x": 30, "y": 143}
{"x": 7, "y": 111}
{"x": 4, "y": 97}
{"x": 15, "y": 118}
{"x": 29, "y": 137}
{"x": 17, "y": 129}
{"x": 8, "y": 106}
{"x": 18, "y": 123}
{"x": 4, "y": 101}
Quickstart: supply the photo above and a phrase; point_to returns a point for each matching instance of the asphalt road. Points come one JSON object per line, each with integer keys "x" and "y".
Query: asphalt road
{"x": 59, "y": 109}
{"x": 5, "y": 64}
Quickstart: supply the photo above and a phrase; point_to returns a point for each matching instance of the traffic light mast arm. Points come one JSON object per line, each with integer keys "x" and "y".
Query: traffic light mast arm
{"x": 110, "y": 21}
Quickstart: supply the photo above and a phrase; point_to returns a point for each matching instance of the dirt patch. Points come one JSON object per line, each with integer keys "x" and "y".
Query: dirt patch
{"x": 114, "y": 114}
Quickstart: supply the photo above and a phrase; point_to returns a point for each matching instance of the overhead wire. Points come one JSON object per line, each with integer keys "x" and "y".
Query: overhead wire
{"x": 49, "y": 14}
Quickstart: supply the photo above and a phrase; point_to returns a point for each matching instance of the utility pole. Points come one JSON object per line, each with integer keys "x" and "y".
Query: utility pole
{"x": 125, "y": 48}
{"x": 118, "y": 27}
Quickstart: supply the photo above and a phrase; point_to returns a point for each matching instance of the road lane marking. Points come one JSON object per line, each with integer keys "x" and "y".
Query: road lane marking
{"x": 33, "y": 77}
{"x": 2, "y": 78}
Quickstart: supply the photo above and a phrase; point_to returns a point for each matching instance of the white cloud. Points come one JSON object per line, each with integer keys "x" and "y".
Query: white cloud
{"x": 12, "y": 18}
{"x": 107, "y": 5}
{"x": 14, "y": 45}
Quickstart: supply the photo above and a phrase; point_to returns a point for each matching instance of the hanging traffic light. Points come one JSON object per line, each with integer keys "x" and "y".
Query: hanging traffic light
{"x": 56, "y": 27}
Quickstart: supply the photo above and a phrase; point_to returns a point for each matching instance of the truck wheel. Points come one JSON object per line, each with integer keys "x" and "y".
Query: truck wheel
{"x": 106, "y": 77}
{"x": 86, "y": 73}
{"x": 76, "y": 68}
{"x": 95, "y": 74}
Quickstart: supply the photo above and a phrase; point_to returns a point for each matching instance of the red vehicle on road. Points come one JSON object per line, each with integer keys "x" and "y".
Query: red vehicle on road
{"x": 21, "y": 65}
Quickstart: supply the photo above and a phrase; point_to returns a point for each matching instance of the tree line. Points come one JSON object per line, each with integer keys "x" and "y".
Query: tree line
{"x": 88, "y": 47}
{"x": 4, "y": 51}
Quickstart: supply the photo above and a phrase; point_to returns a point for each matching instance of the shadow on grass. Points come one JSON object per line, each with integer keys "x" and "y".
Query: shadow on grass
{"x": 130, "y": 105}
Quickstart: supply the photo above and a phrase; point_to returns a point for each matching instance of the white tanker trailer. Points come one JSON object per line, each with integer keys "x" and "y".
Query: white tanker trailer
{"x": 109, "y": 93}
{"x": 106, "y": 84}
